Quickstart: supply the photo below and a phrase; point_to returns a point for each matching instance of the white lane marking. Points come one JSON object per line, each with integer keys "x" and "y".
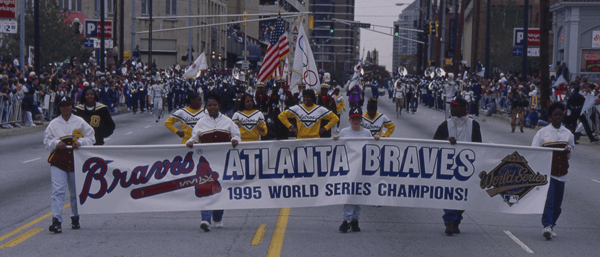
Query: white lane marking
{"x": 31, "y": 160}
{"x": 596, "y": 181}
{"x": 130, "y": 132}
{"x": 514, "y": 238}
{"x": 147, "y": 126}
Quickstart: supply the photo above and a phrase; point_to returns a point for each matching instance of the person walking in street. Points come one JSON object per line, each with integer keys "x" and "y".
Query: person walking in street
{"x": 459, "y": 128}
{"x": 308, "y": 117}
{"x": 250, "y": 121}
{"x": 555, "y": 136}
{"x": 213, "y": 128}
{"x": 95, "y": 114}
{"x": 63, "y": 131}
{"x": 351, "y": 212}
{"x": 188, "y": 117}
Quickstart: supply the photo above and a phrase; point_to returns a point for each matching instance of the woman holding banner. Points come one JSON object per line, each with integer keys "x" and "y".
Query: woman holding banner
{"x": 212, "y": 128}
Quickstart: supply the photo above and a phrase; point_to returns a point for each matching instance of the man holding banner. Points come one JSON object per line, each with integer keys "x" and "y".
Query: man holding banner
{"x": 458, "y": 128}
{"x": 555, "y": 136}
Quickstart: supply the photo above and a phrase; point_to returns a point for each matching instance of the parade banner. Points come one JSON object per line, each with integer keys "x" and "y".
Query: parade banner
{"x": 315, "y": 172}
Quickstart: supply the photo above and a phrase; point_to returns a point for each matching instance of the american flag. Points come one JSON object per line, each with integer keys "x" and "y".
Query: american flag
{"x": 278, "y": 49}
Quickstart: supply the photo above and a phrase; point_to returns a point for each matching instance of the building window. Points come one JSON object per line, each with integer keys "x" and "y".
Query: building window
{"x": 144, "y": 7}
{"x": 171, "y": 7}
{"x": 108, "y": 8}
{"x": 71, "y": 5}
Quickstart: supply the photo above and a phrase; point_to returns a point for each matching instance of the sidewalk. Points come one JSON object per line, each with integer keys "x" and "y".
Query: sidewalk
{"x": 40, "y": 125}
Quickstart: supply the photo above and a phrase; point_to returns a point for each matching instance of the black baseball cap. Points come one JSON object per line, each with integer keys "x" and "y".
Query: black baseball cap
{"x": 457, "y": 100}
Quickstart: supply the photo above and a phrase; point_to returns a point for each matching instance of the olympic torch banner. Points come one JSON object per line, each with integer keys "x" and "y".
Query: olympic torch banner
{"x": 316, "y": 172}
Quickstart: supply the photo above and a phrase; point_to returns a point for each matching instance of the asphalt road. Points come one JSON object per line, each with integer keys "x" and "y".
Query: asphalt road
{"x": 386, "y": 231}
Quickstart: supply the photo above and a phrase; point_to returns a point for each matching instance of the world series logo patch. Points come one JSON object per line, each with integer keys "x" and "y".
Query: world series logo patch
{"x": 512, "y": 179}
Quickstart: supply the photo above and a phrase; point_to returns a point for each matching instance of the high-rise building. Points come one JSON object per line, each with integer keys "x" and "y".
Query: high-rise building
{"x": 408, "y": 19}
{"x": 340, "y": 49}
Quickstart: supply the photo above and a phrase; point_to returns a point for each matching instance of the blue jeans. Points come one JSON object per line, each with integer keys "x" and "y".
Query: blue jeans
{"x": 554, "y": 200}
{"x": 452, "y": 216}
{"x": 351, "y": 212}
{"x": 60, "y": 180}
{"x": 216, "y": 215}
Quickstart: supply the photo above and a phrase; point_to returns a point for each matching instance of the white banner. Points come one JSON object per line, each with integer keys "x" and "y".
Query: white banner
{"x": 316, "y": 172}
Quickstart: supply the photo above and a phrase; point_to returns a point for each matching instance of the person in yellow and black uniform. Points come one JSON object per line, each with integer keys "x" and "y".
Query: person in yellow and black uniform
{"x": 188, "y": 117}
{"x": 250, "y": 120}
{"x": 308, "y": 117}
{"x": 376, "y": 122}
{"x": 95, "y": 114}
{"x": 214, "y": 127}
{"x": 65, "y": 130}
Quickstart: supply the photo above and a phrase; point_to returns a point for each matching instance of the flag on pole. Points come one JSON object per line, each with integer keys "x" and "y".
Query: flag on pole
{"x": 560, "y": 80}
{"x": 278, "y": 49}
{"x": 304, "y": 68}
{"x": 194, "y": 70}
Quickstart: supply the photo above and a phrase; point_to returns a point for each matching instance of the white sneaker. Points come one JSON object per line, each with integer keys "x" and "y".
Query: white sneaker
{"x": 552, "y": 233}
{"x": 547, "y": 232}
{"x": 218, "y": 224}
{"x": 205, "y": 226}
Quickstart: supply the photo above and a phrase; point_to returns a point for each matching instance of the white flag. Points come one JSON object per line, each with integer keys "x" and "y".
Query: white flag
{"x": 481, "y": 73}
{"x": 559, "y": 81}
{"x": 589, "y": 103}
{"x": 304, "y": 67}
{"x": 193, "y": 71}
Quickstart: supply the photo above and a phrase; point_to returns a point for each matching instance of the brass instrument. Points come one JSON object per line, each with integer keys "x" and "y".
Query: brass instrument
{"x": 402, "y": 71}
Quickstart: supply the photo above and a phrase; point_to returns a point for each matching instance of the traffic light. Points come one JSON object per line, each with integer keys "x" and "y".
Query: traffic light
{"x": 433, "y": 27}
{"x": 437, "y": 24}
{"x": 396, "y": 30}
{"x": 331, "y": 27}
{"x": 426, "y": 28}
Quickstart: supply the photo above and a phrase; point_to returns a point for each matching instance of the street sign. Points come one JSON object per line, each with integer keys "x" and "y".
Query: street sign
{"x": 245, "y": 65}
{"x": 95, "y": 43}
{"x": 531, "y": 52}
{"x": 517, "y": 51}
{"x": 533, "y": 37}
{"x": 9, "y": 27}
{"x": 89, "y": 42}
{"x": 361, "y": 25}
{"x": 92, "y": 28}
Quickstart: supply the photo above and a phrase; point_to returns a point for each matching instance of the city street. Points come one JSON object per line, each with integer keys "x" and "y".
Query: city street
{"x": 386, "y": 231}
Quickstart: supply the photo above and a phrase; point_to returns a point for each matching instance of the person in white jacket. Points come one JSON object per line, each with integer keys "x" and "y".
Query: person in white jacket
{"x": 65, "y": 130}
{"x": 212, "y": 128}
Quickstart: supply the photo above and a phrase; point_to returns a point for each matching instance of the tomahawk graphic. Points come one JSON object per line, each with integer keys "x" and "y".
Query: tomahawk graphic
{"x": 205, "y": 181}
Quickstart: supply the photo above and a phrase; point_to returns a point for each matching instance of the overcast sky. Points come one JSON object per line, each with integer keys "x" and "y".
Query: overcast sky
{"x": 383, "y": 13}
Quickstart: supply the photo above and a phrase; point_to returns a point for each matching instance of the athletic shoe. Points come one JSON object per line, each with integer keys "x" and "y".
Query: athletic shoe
{"x": 547, "y": 232}
{"x": 345, "y": 227}
{"x": 75, "y": 222}
{"x": 552, "y": 233}
{"x": 205, "y": 226}
{"x": 354, "y": 225}
{"x": 218, "y": 224}
{"x": 55, "y": 227}
{"x": 449, "y": 228}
